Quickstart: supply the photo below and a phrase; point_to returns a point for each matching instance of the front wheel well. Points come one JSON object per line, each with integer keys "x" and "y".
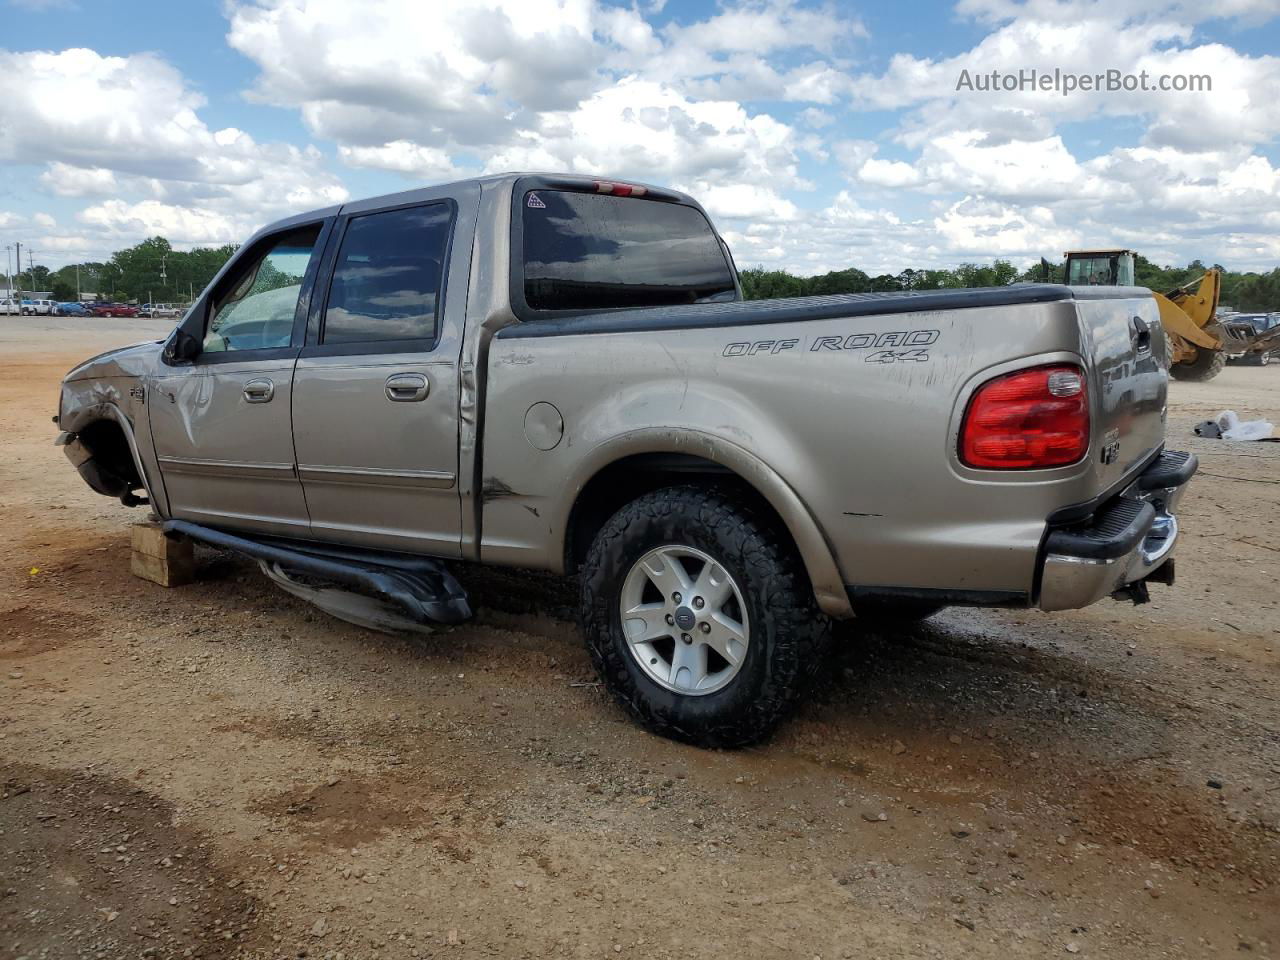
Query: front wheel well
{"x": 106, "y": 442}
{"x": 632, "y": 477}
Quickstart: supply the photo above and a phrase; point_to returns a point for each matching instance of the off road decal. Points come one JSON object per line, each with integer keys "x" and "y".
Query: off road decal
{"x": 535, "y": 202}
{"x": 891, "y": 346}
{"x": 760, "y": 346}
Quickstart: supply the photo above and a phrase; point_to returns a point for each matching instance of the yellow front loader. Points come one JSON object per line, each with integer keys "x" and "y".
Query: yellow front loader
{"x": 1195, "y": 340}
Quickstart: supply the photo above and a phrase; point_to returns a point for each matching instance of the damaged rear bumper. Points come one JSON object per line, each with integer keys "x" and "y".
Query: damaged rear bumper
{"x": 1127, "y": 541}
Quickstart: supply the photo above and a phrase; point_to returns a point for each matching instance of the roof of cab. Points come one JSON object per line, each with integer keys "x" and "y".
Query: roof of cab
{"x": 489, "y": 180}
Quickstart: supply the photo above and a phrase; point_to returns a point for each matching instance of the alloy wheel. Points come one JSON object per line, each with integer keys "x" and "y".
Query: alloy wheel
{"x": 685, "y": 620}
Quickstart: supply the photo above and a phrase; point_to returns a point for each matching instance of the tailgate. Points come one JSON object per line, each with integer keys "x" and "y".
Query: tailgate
{"x": 1123, "y": 345}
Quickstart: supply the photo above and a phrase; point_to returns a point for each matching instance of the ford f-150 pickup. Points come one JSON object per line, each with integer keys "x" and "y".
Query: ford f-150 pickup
{"x": 560, "y": 373}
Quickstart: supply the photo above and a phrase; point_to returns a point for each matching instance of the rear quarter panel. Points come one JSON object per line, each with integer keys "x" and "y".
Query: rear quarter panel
{"x": 867, "y": 444}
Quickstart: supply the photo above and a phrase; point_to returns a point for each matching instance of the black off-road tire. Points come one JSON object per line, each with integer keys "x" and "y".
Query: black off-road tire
{"x": 789, "y": 635}
{"x": 1207, "y": 365}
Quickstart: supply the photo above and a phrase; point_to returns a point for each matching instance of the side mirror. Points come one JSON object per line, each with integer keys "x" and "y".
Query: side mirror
{"x": 187, "y": 340}
{"x": 181, "y": 347}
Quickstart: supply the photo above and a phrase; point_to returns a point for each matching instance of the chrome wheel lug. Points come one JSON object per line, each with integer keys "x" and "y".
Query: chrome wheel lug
{"x": 671, "y": 621}
{"x": 699, "y": 603}
{"x": 705, "y": 627}
{"x": 686, "y": 638}
{"x": 676, "y": 598}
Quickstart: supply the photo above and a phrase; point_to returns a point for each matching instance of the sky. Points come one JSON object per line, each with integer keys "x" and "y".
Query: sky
{"x": 819, "y": 135}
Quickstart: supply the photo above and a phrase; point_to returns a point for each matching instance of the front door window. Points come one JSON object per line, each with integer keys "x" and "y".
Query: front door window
{"x": 258, "y": 312}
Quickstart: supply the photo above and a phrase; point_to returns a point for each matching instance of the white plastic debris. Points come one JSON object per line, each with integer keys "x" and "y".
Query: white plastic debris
{"x": 1233, "y": 428}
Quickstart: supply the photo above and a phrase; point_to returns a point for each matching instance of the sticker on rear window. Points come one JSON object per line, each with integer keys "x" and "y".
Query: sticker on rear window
{"x": 535, "y": 203}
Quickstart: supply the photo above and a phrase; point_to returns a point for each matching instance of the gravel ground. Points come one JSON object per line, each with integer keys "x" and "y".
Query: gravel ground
{"x": 219, "y": 771}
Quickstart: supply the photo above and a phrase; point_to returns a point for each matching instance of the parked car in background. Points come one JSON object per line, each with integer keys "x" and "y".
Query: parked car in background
{"x": 10, "y": 306}
{"x": 38, "y": 308}
{"x": 1261, "y": 323}
{"x": 71, "y": 308}
{"x": 158, "y": 310}
{"x": 113, "y": 310}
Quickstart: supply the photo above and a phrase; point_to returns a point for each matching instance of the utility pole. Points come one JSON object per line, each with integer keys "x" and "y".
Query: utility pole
{"x": 8, "y": 269}
{"x": 18, "y": 294}
{"x": 77, "y": 282}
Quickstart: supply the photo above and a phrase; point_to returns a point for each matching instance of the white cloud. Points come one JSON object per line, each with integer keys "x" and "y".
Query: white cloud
{"x": 645, "y": 130}
{"x": 1073, "y": 11}
{"x": 815, "y": 118}
{"x": 369, "y": 74}
{"x": 401, "y": 156}
{"x": 1086, "y": 39}
{"x": 888, "y": 173}
{"x": 743, "y": 202}
{"x": 130, "y": 128}
{"x": 572, "y": 84}
{"x": 71, "y": 181}
{"x": 121, "y": 221}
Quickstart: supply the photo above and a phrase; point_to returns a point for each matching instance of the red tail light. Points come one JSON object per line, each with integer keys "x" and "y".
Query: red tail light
{"x": 1027, "y": 420}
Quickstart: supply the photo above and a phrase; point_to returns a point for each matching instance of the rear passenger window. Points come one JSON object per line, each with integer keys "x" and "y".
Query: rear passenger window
{"x": 388, "y": 277}
{"x": 592, "y": 251}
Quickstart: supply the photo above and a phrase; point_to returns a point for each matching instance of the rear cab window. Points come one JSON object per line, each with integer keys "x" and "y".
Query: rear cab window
{"x": 586, "y": 252}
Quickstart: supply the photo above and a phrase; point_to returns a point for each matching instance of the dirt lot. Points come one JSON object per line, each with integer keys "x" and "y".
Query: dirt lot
{"x": 218, "y": 771}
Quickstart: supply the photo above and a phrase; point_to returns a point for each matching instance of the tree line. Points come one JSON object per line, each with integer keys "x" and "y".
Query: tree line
{"x": 153, "y": 270}
{"x": 149, "y": 271}
{"x": 1241, "y": 291}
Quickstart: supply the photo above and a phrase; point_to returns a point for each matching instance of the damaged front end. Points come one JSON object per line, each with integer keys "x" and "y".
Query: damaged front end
{"x": 100, "y": 402}
{"x": 104, "y": 461}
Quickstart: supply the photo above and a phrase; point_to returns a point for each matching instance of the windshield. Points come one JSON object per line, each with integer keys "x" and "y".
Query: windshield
{"x": 1101, "y": 270}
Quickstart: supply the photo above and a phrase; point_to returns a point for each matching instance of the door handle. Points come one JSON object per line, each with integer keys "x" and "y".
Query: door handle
{"x": 407, "y": 387}
{"x": 259, "y": 391}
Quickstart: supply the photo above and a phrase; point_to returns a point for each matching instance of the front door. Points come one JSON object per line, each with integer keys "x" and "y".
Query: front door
{"x": 375, "y": 397}
{"x": 221, "y": 424}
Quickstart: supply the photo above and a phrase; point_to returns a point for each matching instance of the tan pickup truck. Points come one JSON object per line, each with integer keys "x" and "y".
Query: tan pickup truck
{"x": 560, "y": 373}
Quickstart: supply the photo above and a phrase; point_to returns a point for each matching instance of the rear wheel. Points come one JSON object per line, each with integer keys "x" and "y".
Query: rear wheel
{"x": 699, "y": 616}
{"x": 1206, "y": 365}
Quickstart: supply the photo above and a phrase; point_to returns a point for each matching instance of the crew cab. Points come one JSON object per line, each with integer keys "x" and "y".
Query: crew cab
{"x": 560, "y": 373}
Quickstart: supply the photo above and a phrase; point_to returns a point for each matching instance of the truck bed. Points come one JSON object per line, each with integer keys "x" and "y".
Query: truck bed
{"x": 794, "y": 309}
{"x": 855, "y": 400}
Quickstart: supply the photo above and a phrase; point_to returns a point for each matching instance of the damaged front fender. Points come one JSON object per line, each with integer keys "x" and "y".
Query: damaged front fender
{"x": 101, "y": 402}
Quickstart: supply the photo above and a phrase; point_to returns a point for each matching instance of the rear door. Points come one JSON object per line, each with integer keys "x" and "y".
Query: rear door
{"x": 221, "y": 424}
{"x": 375, "y": 398}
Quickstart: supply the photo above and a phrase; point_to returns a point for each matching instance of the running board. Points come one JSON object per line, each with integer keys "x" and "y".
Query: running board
{"x": 421, "y": 586}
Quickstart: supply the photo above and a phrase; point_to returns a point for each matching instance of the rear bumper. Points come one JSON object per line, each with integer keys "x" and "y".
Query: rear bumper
{"x": 1128, "y": 540}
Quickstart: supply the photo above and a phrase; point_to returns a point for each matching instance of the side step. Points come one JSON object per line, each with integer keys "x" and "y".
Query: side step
{"x": 421, "y": 586}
